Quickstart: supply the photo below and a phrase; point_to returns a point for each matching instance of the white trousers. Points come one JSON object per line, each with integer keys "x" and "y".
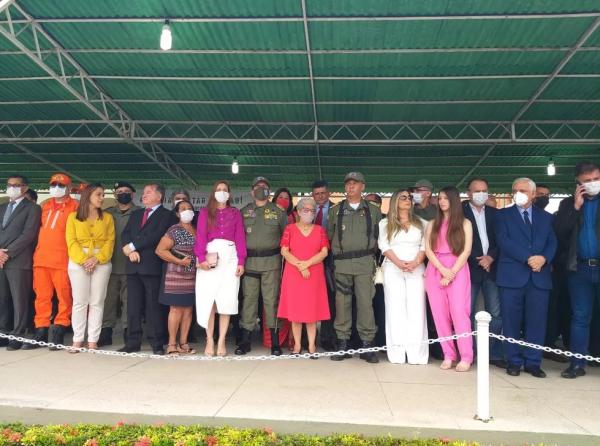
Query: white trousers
{"x": 89, "y": 293}
{"x": 218, "y": 285}
{"x": 405, "y": 315}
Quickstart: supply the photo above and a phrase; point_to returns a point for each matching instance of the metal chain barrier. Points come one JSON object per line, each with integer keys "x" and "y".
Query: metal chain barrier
{"x": 198, "y": 357}
{"x": 544, "y": 348}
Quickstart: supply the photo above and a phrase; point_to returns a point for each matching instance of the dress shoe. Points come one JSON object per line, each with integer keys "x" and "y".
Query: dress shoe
{"x": 370, "y": 357}
{"x": 573, "y": 371}
{"x": 340, "y": 345}
{"x": 3, "y": 342}
{"x": 129, "y": 349}
{"x": 41, "y": 335}
{"x": 275, "y": 348}
{"x": 513, "y": 370}
{"x": 158, "y": 351}
{"x": 536, "y": 372}
{"x": 500, "y": 363}
{"x": 245, "y": 344}
{"x": 56, "y": 334}
{"x": 14, "y": 345}
{"x": 105, "y": 337}
{"x": 555, "y": 357}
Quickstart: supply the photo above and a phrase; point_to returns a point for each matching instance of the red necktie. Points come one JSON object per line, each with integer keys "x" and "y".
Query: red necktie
{"x": 319, "y": 219}
{"x": 145, "y": 217}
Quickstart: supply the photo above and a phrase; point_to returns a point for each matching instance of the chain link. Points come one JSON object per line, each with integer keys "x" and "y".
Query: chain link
{"x": 228, "y": 358}
{"x": 544, "y": 348}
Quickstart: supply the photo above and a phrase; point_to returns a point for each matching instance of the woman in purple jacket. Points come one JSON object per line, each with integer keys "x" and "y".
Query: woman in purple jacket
{"x": 221, "y": 252}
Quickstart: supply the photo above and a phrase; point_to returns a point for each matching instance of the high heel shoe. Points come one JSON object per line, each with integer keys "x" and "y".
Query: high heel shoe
{"x": 221, "y": 350}
{"x": 210, "y": 348}
{"x": 447, "y": 364}
{"x": 463, "y": 366}
{"x": 311, "y": 352}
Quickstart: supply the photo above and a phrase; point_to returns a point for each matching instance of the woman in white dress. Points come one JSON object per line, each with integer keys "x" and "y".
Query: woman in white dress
{"x": 401, "y": 241}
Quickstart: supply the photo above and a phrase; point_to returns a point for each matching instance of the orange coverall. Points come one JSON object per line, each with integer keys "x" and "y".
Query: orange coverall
{"x": 50, "y": 262}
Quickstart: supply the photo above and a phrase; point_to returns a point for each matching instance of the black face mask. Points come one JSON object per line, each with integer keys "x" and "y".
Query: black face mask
{"x": 541, "y": 202}
{"x": 124, "y": 198}
{"x": 261, "y": 193}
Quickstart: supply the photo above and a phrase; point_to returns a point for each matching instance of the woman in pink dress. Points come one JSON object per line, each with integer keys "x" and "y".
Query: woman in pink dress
{"x": 447, "y": 278}
{"x": 303, "y": 299}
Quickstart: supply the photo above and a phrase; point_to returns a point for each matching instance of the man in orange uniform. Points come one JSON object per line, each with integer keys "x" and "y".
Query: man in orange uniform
{"x": 50, "y": 262}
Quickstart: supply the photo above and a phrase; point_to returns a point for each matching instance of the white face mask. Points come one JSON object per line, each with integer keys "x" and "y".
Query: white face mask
{"x": 479, "y": 198}
{"x": 76, "y": 196}
{"x": 520, "y": 198}
{"x": 13, "y": 192}
{"x": 418, "y": 197}
{"x": 307, "y": 218}
{"x": 222, "y": 196}
{"x": 592, "y": 188}
{"x": 186, "y": 216}
{"x": 57, "y": 191}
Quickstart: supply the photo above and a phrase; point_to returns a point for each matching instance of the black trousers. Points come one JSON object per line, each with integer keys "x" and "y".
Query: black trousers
{"x": 327, "y": 335}
{"x": 15, "y": 295}
{"x": 142, "y": 294}
{"x": 559, "y": 309}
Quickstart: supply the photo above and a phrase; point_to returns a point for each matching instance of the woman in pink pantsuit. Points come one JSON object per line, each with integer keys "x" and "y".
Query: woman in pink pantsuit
{"x": 447, "y": 279}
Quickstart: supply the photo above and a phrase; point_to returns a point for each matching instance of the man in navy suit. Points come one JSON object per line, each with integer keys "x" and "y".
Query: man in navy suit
{"x": 483, "y": 261}
{"x": 527, "y": 244}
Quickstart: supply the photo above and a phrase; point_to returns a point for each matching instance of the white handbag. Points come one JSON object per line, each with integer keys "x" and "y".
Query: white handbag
{"x": 378, "y": 276}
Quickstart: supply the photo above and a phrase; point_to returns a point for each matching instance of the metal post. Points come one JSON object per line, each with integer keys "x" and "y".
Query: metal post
{"x": 483, "y": 319}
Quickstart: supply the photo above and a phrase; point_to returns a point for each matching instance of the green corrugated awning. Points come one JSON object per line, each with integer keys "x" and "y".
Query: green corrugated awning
{"x": 297, "y": 90}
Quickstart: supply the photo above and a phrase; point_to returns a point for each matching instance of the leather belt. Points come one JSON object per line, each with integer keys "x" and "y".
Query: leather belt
{"x": 590, "y": 262}
{"x": 354, "y": 254}
{"x": 262, "y": 253}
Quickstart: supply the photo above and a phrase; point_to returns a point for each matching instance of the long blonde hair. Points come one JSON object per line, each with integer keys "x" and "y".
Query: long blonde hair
{"x": 393, "y": 225}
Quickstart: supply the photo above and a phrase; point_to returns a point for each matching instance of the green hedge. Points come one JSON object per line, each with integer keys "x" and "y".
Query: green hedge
{"x": 170, "y": 435}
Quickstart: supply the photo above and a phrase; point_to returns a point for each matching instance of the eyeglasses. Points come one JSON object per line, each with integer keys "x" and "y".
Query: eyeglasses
{"x": 307, "y": 211}
{"x": 404, "y": 197}
{"x": 57, "y": 185}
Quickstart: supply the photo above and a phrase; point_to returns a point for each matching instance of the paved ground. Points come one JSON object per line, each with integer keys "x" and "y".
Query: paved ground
{"x": 313, "y": 396}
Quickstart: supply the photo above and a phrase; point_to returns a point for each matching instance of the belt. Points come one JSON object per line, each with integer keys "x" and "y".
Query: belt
{"x": 354, "y": 254}
{"x": 590, "y": 262}
{"x": 262, "y": 253}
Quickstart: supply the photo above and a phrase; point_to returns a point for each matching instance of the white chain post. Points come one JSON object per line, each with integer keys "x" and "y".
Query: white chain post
{"x": 483, "y": 319}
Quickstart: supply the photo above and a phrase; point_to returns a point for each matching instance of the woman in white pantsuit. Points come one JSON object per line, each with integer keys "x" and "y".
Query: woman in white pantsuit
{"x": 221, "y": 253}
{"x": 90, "y": 242}
{"x": 401, "y": 240}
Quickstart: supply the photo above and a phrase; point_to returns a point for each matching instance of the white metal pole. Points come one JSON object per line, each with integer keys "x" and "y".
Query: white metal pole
{"x": 483, "y": 319}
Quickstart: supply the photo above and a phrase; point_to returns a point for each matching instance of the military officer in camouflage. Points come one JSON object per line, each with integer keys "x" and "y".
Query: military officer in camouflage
{"x": 264, "y": 223}
{"x": 352, "y": 227}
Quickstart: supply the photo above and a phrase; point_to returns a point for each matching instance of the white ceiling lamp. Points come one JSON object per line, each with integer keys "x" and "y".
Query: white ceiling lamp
{"x": 166, "y": 38}
{"x": 235, "y": 167}
{"x": 551, "y": 169}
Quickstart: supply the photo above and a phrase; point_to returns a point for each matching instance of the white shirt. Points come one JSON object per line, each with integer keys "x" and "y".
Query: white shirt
{"x": 153, "y": 208}
{"x": 405, "y": 244}
{"x": 17, "y": 201}
{"x": 481, "y": 227}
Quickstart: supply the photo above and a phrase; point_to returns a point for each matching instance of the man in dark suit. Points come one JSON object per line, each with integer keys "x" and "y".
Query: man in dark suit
{"x": 19, "y": 226}
{"x": 140, "y": 237}
{"x": 527, "y": 246}
{"x": 482, "y": 262}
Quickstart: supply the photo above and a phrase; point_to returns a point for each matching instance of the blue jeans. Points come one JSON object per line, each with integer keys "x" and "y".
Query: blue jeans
{"x": 491, "y": 302}
{"x": 584, "y": 287}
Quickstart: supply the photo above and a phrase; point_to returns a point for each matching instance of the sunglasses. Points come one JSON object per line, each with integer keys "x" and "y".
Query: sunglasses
{"x": 404, "y": 197}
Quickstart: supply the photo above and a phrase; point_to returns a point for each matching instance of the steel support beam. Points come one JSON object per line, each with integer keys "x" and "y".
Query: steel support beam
{"x": 78, "y": 83}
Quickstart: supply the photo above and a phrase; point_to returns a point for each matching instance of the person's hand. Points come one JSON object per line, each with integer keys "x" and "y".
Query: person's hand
{"x": 239, "y": 271}
{"x": 90, "y": 264}
{"x": 410, "y": 266}
{"x": 302, "y": 265}
{"x": 186, "y": 261}
{"x": 447, "y": 273}
{"x": 445, "y": 282}
{"x": 536, "y": 263}
{"x": 3, "y": 257}
{"x": 134, "y": 257}
{"x": 305, "y": 273}
{"x": 127, "y": 250}
{"x": 578, "y": 196}
{"x": 203, "y": 265}
{"x": 485, "y": 262}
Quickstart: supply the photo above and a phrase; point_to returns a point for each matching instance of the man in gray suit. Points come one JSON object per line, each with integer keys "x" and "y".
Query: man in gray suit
{"x": 19, "y": 226}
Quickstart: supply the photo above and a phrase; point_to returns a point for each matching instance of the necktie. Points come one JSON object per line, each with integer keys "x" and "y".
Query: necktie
{"x": 8, "y": 213}
{"x": 145, "y": 217}
{"x": 527, "y": 220}
{"x": 319, "y": 219}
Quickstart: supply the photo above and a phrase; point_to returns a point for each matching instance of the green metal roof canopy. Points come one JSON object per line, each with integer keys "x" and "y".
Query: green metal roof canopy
{"x": 300, "y": 89}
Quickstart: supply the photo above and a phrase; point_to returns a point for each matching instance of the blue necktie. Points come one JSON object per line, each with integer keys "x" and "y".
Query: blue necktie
{"x": 8, "y": 213}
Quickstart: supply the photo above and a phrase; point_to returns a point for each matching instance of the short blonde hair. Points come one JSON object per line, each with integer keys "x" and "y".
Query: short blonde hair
{"x": 306, "y": 200}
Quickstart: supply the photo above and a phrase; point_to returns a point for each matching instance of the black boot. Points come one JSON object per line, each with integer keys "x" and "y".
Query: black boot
{"x": 56, "y": 334}
{"x": 370, "y": 357}
{"x": 105, "y": 337}
{"x": 244, "y": 346}
{"x": 275, "y": 348}
{"x": 41, "y": 335}
{"x": 341, "y": 344}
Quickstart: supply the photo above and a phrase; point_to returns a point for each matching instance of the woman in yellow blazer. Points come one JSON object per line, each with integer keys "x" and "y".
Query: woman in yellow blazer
{"x": 90, "y": 242}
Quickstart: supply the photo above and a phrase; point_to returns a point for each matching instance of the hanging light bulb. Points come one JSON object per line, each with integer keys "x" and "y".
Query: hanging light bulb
{"x": 235, "y": 167}
{"x": 166, "y": 38}
{"x": 551, "y": 168}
